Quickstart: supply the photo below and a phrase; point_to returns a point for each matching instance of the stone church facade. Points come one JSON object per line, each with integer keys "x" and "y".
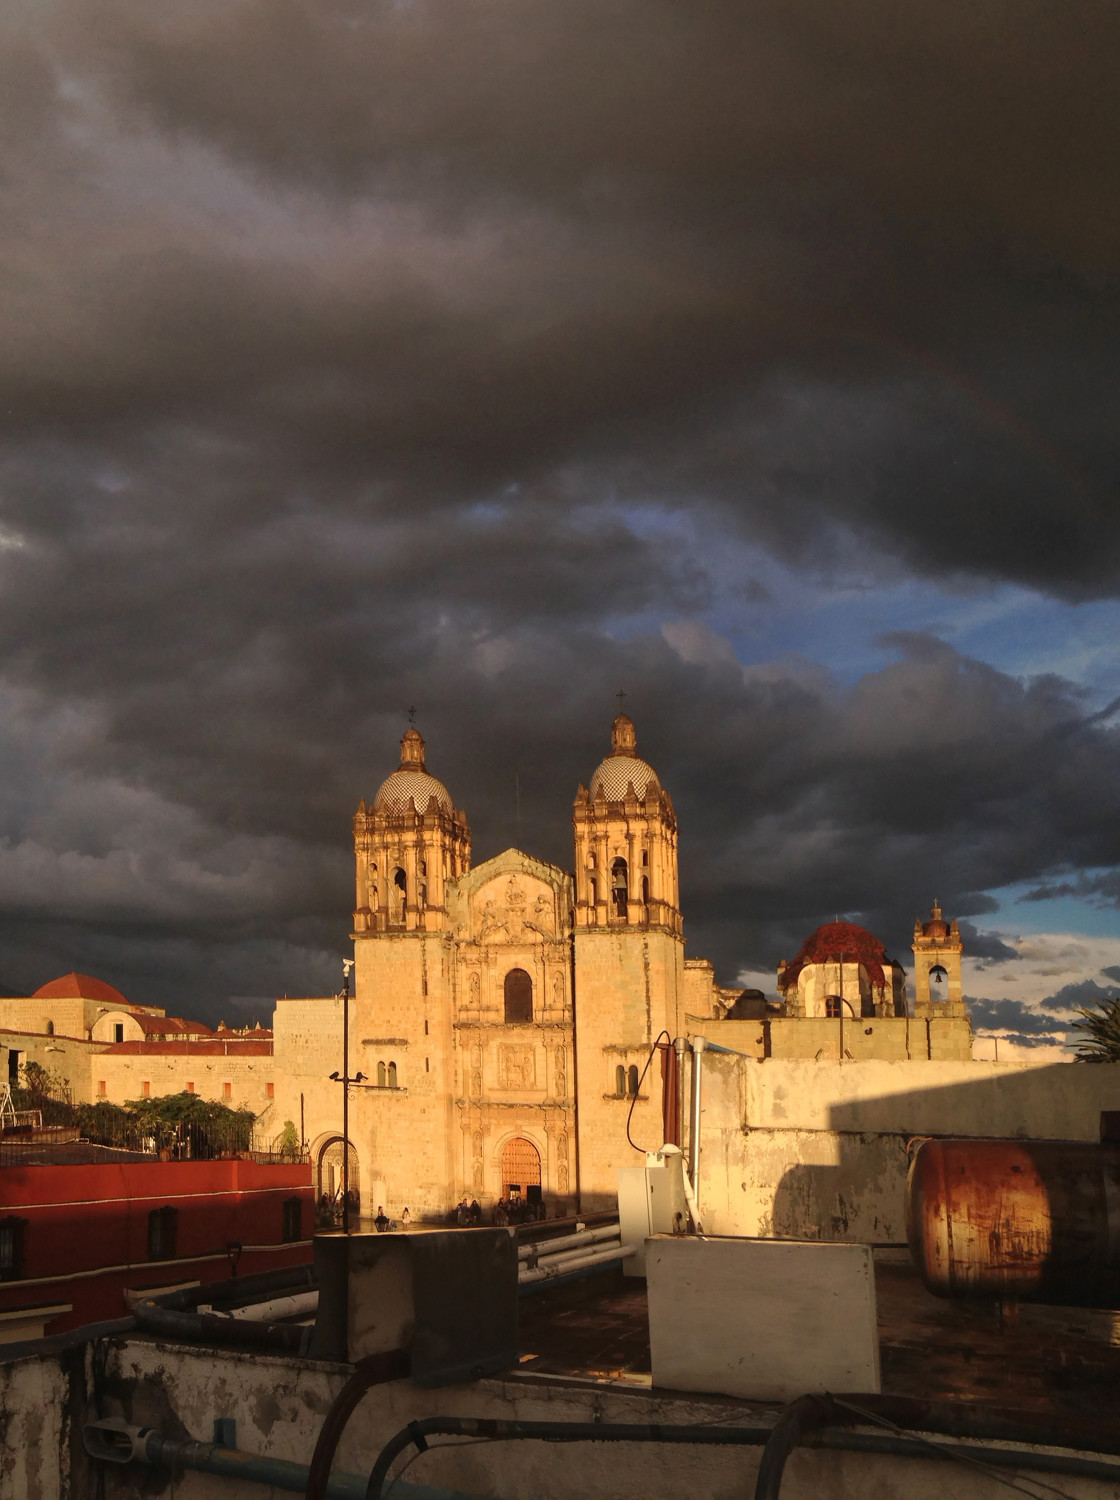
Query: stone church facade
{"x": 485, "y": 999}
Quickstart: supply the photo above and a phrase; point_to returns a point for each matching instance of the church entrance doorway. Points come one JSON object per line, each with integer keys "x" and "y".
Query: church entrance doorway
{"x": 329, "y": 1174}
{"x": 521, "y": 1170}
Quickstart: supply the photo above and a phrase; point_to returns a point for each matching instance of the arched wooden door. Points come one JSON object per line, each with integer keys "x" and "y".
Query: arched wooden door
{"x": 521, "y": 1168}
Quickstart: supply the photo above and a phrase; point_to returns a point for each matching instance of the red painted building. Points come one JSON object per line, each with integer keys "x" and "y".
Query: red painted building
{"x": 79, "y": 1239}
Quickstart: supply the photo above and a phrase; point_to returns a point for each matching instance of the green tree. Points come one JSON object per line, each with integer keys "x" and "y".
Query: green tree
{"x": 1100, "y": 1028}
{"x": 289, "y": 1140}
{"x": 208, "y": 1127}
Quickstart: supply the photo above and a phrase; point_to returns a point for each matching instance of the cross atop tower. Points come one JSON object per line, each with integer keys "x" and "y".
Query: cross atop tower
{"x": 412, "y": 715}
{"x": 620, "y": 695}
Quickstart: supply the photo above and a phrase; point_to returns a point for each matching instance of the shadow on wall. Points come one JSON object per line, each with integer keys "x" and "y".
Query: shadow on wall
{"x": 859, "y": 1192}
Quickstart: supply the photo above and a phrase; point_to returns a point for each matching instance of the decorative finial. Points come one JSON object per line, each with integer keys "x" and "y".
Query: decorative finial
{"x": 623, "y": 739}
{"x": 412, "y": 715}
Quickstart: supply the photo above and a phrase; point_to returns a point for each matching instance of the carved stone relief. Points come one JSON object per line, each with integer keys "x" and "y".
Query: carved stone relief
{"x": 517, "y": 1067}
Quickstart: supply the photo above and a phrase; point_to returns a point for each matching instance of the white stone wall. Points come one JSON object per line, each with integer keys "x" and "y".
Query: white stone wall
{"x": 818, "y": 1150}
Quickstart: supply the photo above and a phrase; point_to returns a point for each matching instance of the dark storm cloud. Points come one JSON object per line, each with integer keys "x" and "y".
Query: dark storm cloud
{"x": 1084, "y": 994}
{"x": 805, "y": 264}
{"x": 360, "y": 355}
{"x": 1013, "y": 1016}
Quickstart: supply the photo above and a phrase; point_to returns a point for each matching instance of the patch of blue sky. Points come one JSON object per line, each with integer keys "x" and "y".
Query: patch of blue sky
{"x": 1055, "y": 914}
{"x": 835, "y": 615}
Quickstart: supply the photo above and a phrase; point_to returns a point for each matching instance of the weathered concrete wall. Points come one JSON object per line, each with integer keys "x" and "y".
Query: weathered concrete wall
{"x": 34, "y": 1429}
{"x": 818, "y": 1149}
{"x": 279, "y": 1405}
{"x": 820, "y": 1039}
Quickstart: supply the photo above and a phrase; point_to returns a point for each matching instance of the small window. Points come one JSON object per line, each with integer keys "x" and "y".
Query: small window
{"x": 423, "y": 867}
{"x": 293, "y": 1220}
{"x": 632, "y": 1081}
{"x": 190, "y": 1088}
{"x": 425, "y": 1023}
{"x": 645, "y": 890}
{"x": 101, "y": 1089}
{"x": 427, "y": 1067}
{"x": 11, "y": 1248}
{"x": 645, "y": 856}
{"x": 380, "y": 1075}
{"x": 619, "y": 887}
{"x": 518, "y": 997}
{"x": 833, "y": 1007}
{"x": 118, "y": 1031}
{"x": 146, "y": 1088}
{"x": 620, "y": 1080}
{"x": 400, "y": 880}
{"x": 270, "y": 1090}
{"x": 392, "y": 1075}
{"x": 13, "y": 1069}
{"x": 50, "y": 1028}
{"x": 162, "y": 1225}
{"x": 227, "y": 1090}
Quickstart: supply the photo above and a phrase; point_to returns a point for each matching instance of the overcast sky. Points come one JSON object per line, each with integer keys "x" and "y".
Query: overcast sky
{"x": 759, "y": 359}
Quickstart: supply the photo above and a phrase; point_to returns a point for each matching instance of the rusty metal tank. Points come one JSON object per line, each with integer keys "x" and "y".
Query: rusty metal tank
{"x": 1026, "y": 1221}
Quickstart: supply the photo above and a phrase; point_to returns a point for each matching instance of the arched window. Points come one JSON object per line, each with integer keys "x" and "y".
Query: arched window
{"x": 423, "y": 867}
{"x": 645, "y": 890}
{"x": 400, "y": 880}
{"x": 518, "y": 997}
{"x": 593, "y": 889}
{"x": 833, "y": 1007}
{"x": 620, "y": 1079}
{"x": 632, "y": 1081}
{"x": 380, "y": 1075}
{"x": 50, "y": 1028}
{"x": 619, "y": 887}
{"x": 645, "y": 856}
{"x": 392, "y": 1075}
{"x": 423, "y": 895}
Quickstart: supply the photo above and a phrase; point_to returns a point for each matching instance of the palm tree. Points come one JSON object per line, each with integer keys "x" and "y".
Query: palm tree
{"x": 1101, "y": 1025}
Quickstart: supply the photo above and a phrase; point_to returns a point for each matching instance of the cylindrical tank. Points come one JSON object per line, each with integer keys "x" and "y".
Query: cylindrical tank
{"x": 1027, "y": 1221}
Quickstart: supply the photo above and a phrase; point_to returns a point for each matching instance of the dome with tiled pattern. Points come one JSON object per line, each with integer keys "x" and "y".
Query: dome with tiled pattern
{"x": 624, "y": 767}
{"x": 411, "y": 786}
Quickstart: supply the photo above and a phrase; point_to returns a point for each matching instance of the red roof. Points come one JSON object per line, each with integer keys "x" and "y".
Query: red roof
{"x": 210, "y": 1048}
{"x": 840, "y": 940}
{"x": 168, "y": 1025}
{"x": 80, "y": 987}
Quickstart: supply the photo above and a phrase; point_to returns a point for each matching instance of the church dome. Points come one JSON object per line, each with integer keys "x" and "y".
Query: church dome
{"x": 623, "y": 766}
{"x": 839, "y": 942}
{"x": 936, "y": 927}
{"x": 411, "y": 785}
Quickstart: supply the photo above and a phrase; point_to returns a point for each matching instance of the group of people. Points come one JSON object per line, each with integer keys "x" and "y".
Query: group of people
{"x": 382, "y": 1222}
{"x": 517, "y": 1210}
{"x": 468, "y": 1214}
{"x": 330, "y": 1208}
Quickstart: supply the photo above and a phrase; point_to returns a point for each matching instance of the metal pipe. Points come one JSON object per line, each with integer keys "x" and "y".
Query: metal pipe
{"x": 807, "y": 1420}
{"x": 299, "y": 1305}
{"x": 698, "y": 1045}
{"x": 563, "y": 1264}
{"x": 417, "y": 1433}
{"x": 680, "y": 1047}
{"x": 542, "y": 1248}
{"x": 121, "y": 1444}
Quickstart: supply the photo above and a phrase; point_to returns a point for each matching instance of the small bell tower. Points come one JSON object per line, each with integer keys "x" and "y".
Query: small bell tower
{"x": 937, "y": 951}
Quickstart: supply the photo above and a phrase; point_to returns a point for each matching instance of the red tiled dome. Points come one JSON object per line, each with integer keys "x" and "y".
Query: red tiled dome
{"x": 80, "y": 987}
{"x": 840, "y": 940}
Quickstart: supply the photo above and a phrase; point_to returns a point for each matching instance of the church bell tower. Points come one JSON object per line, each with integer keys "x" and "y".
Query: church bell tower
{"x": 629, "y": 959}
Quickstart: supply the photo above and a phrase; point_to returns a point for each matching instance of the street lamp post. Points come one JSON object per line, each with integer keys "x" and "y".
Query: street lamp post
{"x": 345, "y": 1079}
